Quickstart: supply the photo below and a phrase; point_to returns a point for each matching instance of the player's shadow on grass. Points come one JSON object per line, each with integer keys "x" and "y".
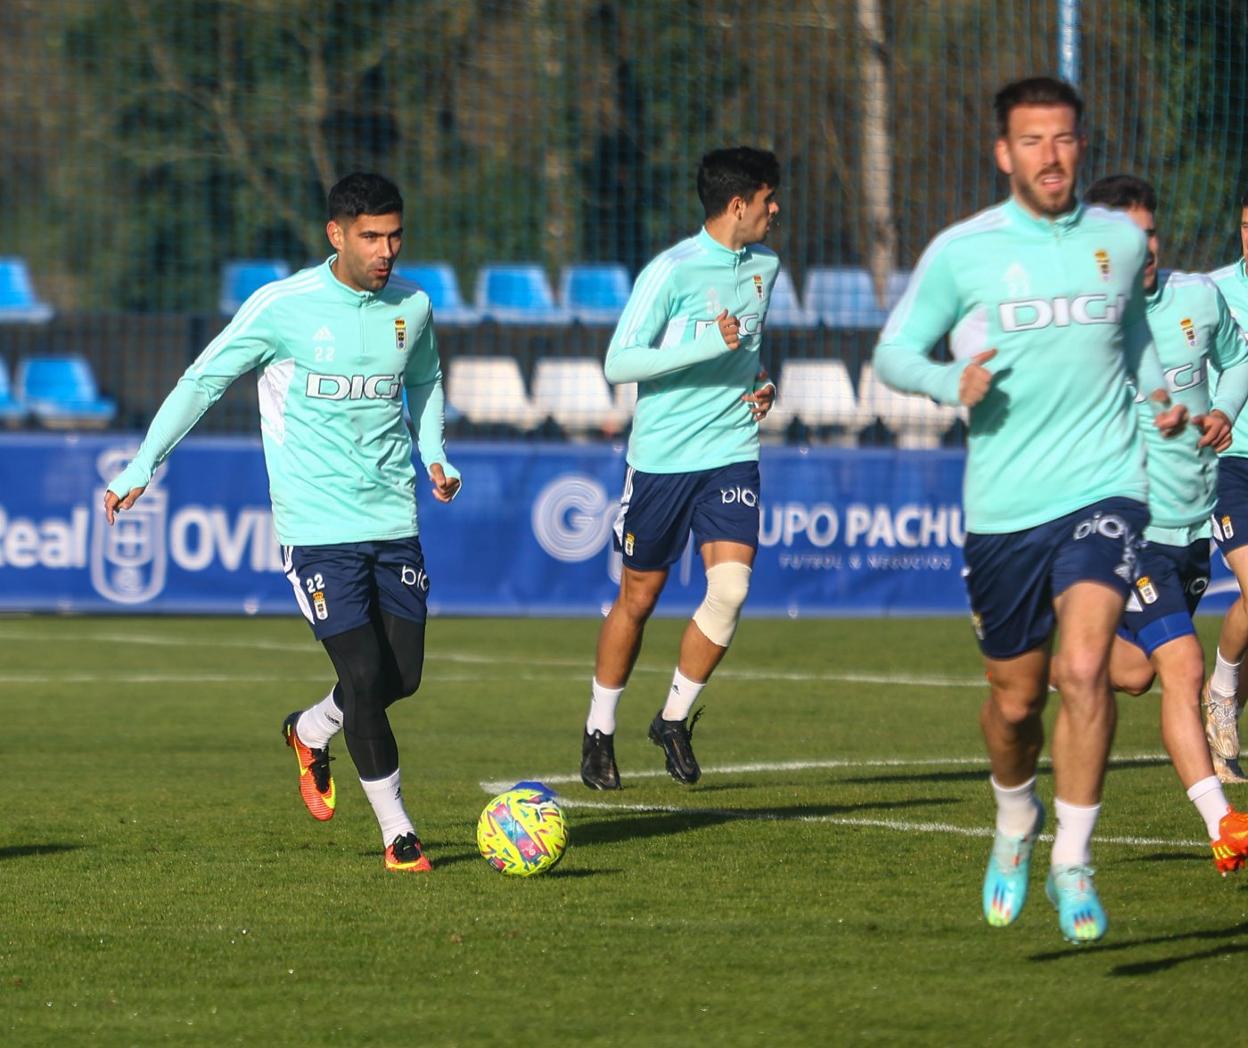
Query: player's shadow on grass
{"x": 633, "y": 825}
{"x": 21, "y": 851}
{"x": 1162, "y": 964}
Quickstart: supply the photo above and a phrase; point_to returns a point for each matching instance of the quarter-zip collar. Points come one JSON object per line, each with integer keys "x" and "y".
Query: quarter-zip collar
{"x": 346, "y": 294}
{"x": 719, "y": 251}
{"x": 1058, "y": 226}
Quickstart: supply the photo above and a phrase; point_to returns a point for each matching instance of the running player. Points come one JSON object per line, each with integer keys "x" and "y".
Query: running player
{"x": 335, "y": 347}
{"x": 1196, "y": 338}
{"x": 1223, "y": 700}
{"x": 690, "y": 338}
{"x": 1044, "y": 303}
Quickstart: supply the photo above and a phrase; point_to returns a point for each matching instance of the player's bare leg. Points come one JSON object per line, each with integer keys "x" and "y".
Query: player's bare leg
{"x": 703, "y": 645}
{"x": 1088, "y": 614}
{"x": 1013, "y": 734}
{"x": 1223, "y": 698}
{"x": 619, "y": 642}
{"x": 1181, "y": 667}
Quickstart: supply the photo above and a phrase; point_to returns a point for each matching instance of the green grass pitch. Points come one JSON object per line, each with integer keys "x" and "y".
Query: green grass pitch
{"x": 162, "y": 883}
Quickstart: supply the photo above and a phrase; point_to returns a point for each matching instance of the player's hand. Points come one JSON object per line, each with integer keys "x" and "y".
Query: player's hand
{"x": 114, "y": 505}
{"x": 1216, "y": 429}
{"x": 729, "y": 329}
{"x": 444, "y": 487}
{"x": 761, "y": 400}
{"x": 1171, "y": 419}
{"x": 976, "y": 379}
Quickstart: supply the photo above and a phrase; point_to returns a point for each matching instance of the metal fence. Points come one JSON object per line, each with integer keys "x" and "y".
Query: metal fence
{"x": 149, "y": 145}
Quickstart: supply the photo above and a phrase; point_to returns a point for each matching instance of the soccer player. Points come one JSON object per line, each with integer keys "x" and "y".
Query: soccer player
{"x": 1223, "y": 701}
{"x": 690, "y": 338}
{"x": 335, "y": 347}
{"x": 1044, "y": 303}
{"x": 1196, "y": 338}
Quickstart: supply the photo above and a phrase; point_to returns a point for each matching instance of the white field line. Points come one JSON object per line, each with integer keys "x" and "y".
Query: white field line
{"x": 561, "y": 779}
{"x": 580, "y": 667}
{"x": 497, "y": 786}
{"x": 876, "y": 824}
{"x": 143, "y": 677}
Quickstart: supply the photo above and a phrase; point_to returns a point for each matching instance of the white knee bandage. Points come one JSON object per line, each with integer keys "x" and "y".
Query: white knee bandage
{"x": 726, "y": 587}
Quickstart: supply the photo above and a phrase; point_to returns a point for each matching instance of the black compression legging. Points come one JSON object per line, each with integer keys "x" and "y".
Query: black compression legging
{"x": 377, "y": 665}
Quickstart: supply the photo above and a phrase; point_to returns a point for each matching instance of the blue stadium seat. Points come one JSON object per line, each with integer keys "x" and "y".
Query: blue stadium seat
{"x": 11, "y": 411}
{"x": 517, "y": 293}
{"x": 844, "y": 297}
{"x": 437, "y": 280}
{"x": 61, "y": 393}
{"x": 18, "y": 301}
{"x": 242, "y": 277}
{"x": 594, "y": 292}
{"x": 785, "y": 310}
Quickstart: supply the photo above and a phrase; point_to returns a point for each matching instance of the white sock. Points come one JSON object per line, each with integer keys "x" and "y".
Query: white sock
{"x": 1072, "y": 844}
{"x": 1017, "y": 807}
{"x": 1210, "y": 801}
{"x": 1225, "y": 679}
{"x": 386, "y": 797}
{"x": 602, "y": 703}
{"x": 681, "y": 697}
{"x": 320, "y": 723}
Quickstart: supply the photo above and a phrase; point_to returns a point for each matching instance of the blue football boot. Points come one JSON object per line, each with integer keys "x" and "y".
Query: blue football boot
{"x": 1005, "y": 882}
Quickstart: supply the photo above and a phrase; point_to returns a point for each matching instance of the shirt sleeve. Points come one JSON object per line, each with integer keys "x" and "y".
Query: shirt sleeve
{"x": 926, "y": 313}
{"x": 637, "y": 351}
{"x": 1230, "y": 358}
{"x": 246, "y": 343}
{"x": 1143, "y": 363}
{"x": 427, "y": 402}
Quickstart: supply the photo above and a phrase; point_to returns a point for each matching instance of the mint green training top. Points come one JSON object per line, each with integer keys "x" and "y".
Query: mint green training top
{"x": 690, "y": 415}
{"x": 1062, "y": 302}
{"x": 332, "y": 364}
{"x": 1232, "y": 281}
{"x": 1194, "y": 332}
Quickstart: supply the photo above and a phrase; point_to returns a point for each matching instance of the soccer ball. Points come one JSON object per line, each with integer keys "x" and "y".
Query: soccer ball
{"x": 522, "y": 832}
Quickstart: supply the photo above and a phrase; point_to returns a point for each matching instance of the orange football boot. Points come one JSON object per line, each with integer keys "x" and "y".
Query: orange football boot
{"x": 1230, "y": 850}
{"x": 316, "y": 785}
{"x": 405, "y": 855}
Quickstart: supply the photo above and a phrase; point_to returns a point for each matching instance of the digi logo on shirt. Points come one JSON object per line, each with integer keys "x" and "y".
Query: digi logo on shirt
{"x": 354, "y": 387}
{"x": 1032, "y": 314}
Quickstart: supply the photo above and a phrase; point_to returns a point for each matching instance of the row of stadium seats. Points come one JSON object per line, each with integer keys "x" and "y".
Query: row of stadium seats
{"x": 594, "y": 293}
{"x": 571, "y": 391}
{"x": 57, "y": 392}
{"x": 485, "y": 391}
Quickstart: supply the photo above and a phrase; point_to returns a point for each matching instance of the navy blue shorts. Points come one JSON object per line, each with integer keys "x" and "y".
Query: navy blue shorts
{"x": 1172, "y": 581}
{"x": 1013, "y": 579}
{"x": 658, "y": 511}
{"x": 1230, "y": 515}
{"x": 343, "y": 586}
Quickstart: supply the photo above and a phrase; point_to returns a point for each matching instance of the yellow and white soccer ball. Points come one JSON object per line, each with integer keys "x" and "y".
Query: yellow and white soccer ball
{"x": 521, "y": 831}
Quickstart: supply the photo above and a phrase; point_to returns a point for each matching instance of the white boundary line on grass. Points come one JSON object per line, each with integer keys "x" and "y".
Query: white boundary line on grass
{"x": 578, "y": 666}
{"x": 492, "y": 787}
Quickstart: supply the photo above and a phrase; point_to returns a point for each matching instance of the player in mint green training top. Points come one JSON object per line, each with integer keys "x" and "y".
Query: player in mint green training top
{"x": 1224, "y": 692}
{"x": 1197, "y": 342}
{"x": 1044, "y": 304}
{"x": 334, "y": 349}
{"x": 689, "y": 337}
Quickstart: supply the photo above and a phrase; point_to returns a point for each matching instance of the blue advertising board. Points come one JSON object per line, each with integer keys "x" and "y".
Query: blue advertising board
{"x": 843, "y": 531}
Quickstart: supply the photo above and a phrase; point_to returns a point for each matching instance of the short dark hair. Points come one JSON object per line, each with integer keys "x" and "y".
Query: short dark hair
{"x": 361, "y": 193}
{"x": 727, "y": 173}
{"x": 1035, "y": 91}
{"x": 1122, "y": 191}
{"x": 1243, "y": 201}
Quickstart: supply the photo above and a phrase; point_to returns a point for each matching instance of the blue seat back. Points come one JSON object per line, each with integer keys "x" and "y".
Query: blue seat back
{"x": 438, "y": 281}
{"x": 243, "y": 277}
{"x": 18, "y": 300}
{"x": 63, "y": 380}
{"x": 520, "y": 286}
{"x": 844, "y": 296}
{"x": 596, "y": 286}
